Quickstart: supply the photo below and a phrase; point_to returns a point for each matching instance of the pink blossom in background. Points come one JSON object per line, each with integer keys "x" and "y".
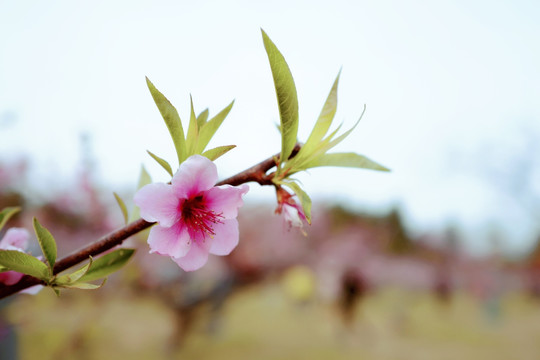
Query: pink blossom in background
{"x": 15, "y": 239}
{"x": 194, "y": 217}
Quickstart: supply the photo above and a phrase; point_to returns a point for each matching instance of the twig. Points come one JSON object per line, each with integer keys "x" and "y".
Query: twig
{"x": 257, "y": 173}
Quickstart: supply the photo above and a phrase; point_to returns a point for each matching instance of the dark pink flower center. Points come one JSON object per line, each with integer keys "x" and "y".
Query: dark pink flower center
{"x": 197, "y": 216}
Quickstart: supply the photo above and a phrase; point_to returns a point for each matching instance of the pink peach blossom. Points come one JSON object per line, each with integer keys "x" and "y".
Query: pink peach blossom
{"x": 194, "y": 217}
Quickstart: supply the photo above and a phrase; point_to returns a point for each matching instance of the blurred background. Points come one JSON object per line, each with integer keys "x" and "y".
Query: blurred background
{"x": 437, "y": 259}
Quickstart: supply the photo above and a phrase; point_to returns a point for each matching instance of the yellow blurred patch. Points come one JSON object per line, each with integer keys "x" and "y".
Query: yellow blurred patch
{"x": 299, "y": 283}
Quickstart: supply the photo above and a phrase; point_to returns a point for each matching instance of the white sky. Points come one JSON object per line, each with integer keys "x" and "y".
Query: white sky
{"x": 443, "y": 81}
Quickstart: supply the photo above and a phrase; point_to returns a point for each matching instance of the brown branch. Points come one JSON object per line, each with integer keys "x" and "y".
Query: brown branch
{"x": 107, "y": 242}
{"x": 258, "y": 172}
{"x": 255, "y": 173}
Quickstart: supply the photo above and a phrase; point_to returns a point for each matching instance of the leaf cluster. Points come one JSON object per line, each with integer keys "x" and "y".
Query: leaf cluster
{"x": 199, "y": 132}
{"x": 144, "y": 179}
{"x": 27, "y": 264}
{"x": 314, "y": 152}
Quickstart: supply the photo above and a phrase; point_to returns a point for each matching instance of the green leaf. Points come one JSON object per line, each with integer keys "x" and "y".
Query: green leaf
{"x": 215, "y": 153}
{"x": 6, "y": 214}
{"x": 324, "y": 121}
{"x": 209, "y": 129}
{"x": 346, "y": 160}
{"x": 286, "y": 96}
{"x": 144, "y": 179}
{"x": 193, "y": 131}
{"x": 164, "y": 164}
{"x": 84, "y": 286}
{"x": 300, "y": 163}
{"x": 340, "y": 138}
{"x": 107, "y": 264}
{"x": 24, "y": 263}
{"x": 47, "y": 244}
{"x": 202, "y": 118}
{"x": 123, "y": 207}
{"x": 172, "y": 120}
{"x": 304, "y": 198}
{"x": 68, "y": 279}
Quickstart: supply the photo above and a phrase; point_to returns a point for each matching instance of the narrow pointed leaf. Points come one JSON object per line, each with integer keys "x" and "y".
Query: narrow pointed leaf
{"x": 24, "y": 263}
{"x": 84, "y": 286}
{"x": 347, "y": 160}
{"x": 202, "y": 118}
{"x": 144, "y": 179}
{"x": 301, "y": 161}
{"x": 286, "y": 96}
{"x": 193, "y": 132}
{"x": 325, "y": 119}
{"x": 209, "y": 129}
{"x": 325, "y": 145}
{"x": 172, "y": 120}
{"x": 47, "y": 244}
{"x": 6, "y": 214}
{"x": 304, "y": 198}
{"x": 107, "y": 264}
{"x": 298, "y": 163}
{"x": 164, "y": 164}
{"x": 215, "y": 153}
{"x": 340, "y": 138}
{"x": 122, "y": 206}
{"x": 67, "y": 279}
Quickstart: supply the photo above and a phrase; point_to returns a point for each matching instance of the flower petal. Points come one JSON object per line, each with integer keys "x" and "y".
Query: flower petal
{"x": 226, "y": 237}
{"x": 15, "y": 238}
{"x": 171, "y": 241}
{"x": 195, "y": 258}
{"x": 157, "y": 203}
{"x": 195, "y": 175}
{"x": 33, "y": 290}
{"x": 292, "y": 215}
{"x": 226, "y": 199}
{"x": 10, "y": 277}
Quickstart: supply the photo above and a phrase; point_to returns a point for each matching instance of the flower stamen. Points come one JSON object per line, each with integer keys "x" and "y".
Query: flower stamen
{"x": 198, "y": 217}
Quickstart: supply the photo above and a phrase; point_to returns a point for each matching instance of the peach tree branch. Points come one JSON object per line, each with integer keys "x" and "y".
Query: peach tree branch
{"x": 256, "y": 173}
